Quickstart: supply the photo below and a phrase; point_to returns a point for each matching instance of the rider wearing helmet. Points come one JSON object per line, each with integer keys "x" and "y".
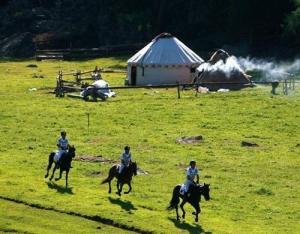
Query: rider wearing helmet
{"x": 125, "y": 159}
{"x": 62, "y": 145}
{"x": 191, "y": 173}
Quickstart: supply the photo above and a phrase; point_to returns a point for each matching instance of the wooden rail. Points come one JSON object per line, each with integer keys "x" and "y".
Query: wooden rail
{"x": 83, "y": 53}
{"x": 288, "y": 84}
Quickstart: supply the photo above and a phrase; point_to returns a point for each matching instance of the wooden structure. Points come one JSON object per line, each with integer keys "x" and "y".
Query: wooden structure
{"x": 64, "y": 86}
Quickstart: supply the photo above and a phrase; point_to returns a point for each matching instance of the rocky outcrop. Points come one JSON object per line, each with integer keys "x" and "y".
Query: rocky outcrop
{"x": 17, "y": 46}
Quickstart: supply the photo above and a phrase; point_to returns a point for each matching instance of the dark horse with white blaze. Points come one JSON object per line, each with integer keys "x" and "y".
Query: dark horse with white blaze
{"x": 124, "y": 178}
{"x": 64, "y": 164}
{"x": 194, "y": 199}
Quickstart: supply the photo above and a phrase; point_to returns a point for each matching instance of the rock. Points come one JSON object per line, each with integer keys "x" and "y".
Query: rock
{"x": 248, "y": 144}
{"x": 189, "y": 140}
{"x": 31, "y": 65}
{"x": 37, "y": 76}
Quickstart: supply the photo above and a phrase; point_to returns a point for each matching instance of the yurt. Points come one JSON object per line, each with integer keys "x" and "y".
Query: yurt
{"x": 165, "y": 60}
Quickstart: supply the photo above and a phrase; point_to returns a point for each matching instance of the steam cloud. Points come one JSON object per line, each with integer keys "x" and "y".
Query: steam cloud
{"x": 271, "y": 70}
{"x": 268, "y": 70}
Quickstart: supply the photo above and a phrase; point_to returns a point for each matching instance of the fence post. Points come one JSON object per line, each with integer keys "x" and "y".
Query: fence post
{"x": 178, "y": 90}
{"x": 293, "y": 83}
{"x": 59, "y": 92}
{"x": 78, "y": 76}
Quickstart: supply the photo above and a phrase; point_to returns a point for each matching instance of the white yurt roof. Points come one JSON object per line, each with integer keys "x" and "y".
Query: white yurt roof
{"x": 165, "y": 50}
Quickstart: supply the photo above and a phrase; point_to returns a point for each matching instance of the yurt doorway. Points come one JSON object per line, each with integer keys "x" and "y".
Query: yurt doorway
{"x": 133, "y": 75}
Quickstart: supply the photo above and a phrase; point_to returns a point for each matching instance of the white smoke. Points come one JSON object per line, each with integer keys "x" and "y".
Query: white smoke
{"x": 230, "y": 65}
{"x": 270, "y": 70}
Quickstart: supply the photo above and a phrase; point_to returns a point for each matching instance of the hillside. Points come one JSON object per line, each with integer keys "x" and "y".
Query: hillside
{"x": 253, "y": 189}
{"x": 258, "y": 28}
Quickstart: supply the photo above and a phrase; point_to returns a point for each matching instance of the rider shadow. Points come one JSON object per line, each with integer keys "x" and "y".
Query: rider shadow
{"x": 188, "y": 227}
{"x": 125, "y": 205}
{"x": 59, "y": 188}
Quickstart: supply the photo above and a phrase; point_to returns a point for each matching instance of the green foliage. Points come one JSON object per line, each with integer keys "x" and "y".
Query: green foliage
{"x": 253, "y": 190}
{"x": 204, "y": 24}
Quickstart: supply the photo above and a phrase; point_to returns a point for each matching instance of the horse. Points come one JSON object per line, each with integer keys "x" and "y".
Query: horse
{"x": 124, "y": 178}
{"x": 194, "y": 199}
{"x": 64, "y": 164}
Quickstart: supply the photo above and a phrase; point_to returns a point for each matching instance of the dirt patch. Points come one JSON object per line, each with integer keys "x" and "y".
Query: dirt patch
{"x": 190, "y": 140}
{"x": 94, "y": 173}
{"x": 181, "y": 165}
{"x": 94, "y": 159}
{"x": 140, "y": 171}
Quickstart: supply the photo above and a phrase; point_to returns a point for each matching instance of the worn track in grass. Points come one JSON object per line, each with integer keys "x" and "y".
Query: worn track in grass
{"x": 95, "y": 218}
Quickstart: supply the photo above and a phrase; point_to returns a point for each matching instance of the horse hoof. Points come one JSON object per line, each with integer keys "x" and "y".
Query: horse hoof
{"x": 194, "y": 213}
{"x": 196, "y": 220}
{"x": 178, "y": 219}
{"x": 126, "y": 192}
{"x": 46, "y": 175}
{"x": 183, "y": 216}
{"x": 56, "y": 179}
{"x": 109, "y": 191}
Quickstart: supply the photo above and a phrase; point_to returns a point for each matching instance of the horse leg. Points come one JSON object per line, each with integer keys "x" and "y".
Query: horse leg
{"x": 118, "y": 185}
{"x": 181, "y": 206}
{"x": 119, "y": 188}
{"x": 111, "y": 175}
{"x": 67, "y": 173}
{"x": 198, "y": 210}
{"x": 109, "y": 185}
{"x": 54, "y": 168}
{"x": 60, "y": 174}
{"x": 129, "y": 185}
{"x": 50, "y": 162}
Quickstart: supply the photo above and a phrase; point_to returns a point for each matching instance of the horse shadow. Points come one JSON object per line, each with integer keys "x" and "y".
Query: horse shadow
{"x": 59, "y": 188}
{"x": 125, "y": 205}
{"x": 193, "y": 229}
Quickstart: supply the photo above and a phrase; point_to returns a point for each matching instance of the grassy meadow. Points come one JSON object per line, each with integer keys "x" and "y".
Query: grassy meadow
{"x": 253, "y": 189}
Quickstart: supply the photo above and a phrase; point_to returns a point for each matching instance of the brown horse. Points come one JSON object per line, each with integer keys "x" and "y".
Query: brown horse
{"x": 124, "y": 178}
{"x": 64, "y": 164}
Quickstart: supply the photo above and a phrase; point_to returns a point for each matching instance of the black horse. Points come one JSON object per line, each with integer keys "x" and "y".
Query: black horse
{"x": 124, "y": 178}
{"x": 194, "y": 199}
{"x": 64, "y": 164}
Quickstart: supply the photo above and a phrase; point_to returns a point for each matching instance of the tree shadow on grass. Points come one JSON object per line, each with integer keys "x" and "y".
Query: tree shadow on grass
{"x": 125, "y": 205}
{"x": 59, "y": 188}
{"x": 188, "y": 227}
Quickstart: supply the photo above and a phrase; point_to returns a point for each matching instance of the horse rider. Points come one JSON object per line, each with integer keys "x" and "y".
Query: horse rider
{"x": 191, "y": 173}
{"x": 125, "y": 159}
{"x": 62, "y": 145}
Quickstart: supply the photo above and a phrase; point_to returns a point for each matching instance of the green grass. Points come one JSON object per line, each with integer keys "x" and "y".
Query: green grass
{"x": 18, "y": 218}
{"x": 253, "y": 190}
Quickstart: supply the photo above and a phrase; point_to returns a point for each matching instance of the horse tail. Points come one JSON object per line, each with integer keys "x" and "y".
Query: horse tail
{"x": 175, "y": 198}
{"x": 112, "y": 172}
{"x": 106, "y": 180}
{"x": 51, "y": 157}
